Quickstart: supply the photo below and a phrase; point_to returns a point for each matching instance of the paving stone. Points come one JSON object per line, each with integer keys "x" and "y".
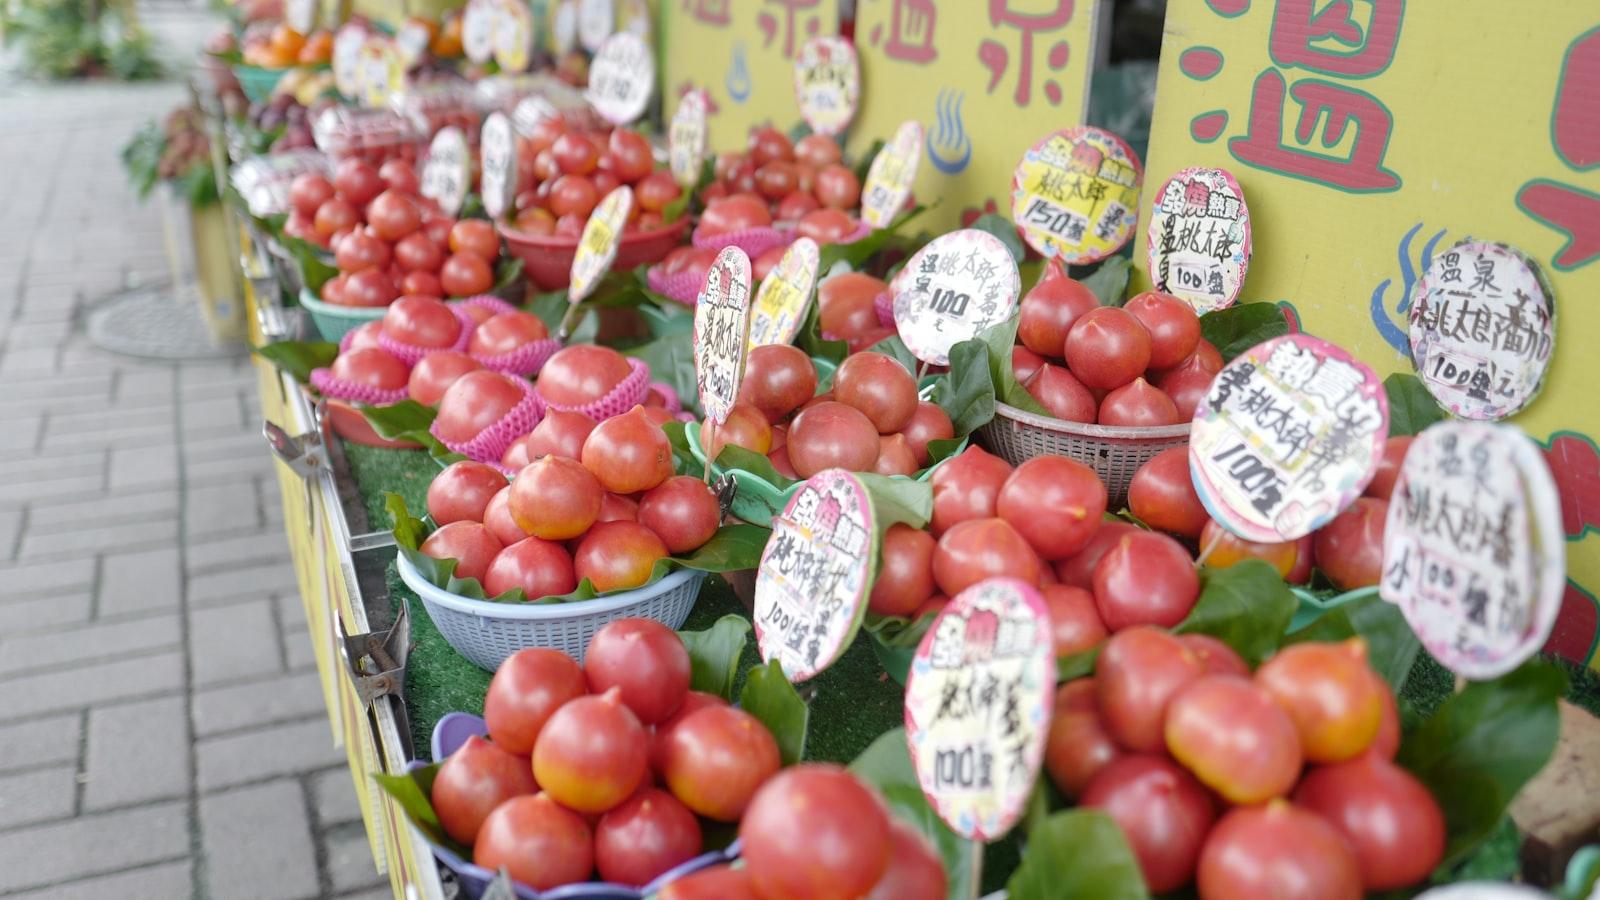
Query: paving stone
{"x": 334, "y": 792}
{"x": 22, "y": 432}
{"x": 254, "y": 581}
{"x": 230, "y": 468}
{"x": 151, "y": 382}
{"x": 245, "y": 756}
{"x": 108, "y": 639}
{"x": 139, "y": 581}
{"x": 112, "y": 538}
{"x": 19, "y": 616}
{"x": 349, "y": 855}
{"x": 227, "y": 643}
{"x": 27, "y": 360}
{"x": 90, "y": 684}
{"x": 38, "y": 796}
{"x": 36, "y": 741}
{"x": 92, "y": 845}
{"x": 274, "y": 699}
{"x": 268, "y": 544}
{"x": 137, "y": 507}
{"x": 137, "y": 751}
{"x": 297, "y": 646}
{"x": 167, "y": 880}
{"x": 143, "y": 467}
{"x": 291, "y": 612}
{"x": 30, "y": 579}
{"x": 220, "y": 508}
{"x": 257, "y": 843}
{"x": 216, "y": 412}
{"x": 61, "y": 488}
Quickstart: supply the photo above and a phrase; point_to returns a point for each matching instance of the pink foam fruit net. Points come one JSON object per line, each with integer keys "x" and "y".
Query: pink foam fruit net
{"x": 753, "y": 241}
{"x": 628, "y": 393}
{"x": 682, "y": 286}
{"x": 338, "y": 388}
{"x": 490, "y": 444}
{"x": 411, "y": 354}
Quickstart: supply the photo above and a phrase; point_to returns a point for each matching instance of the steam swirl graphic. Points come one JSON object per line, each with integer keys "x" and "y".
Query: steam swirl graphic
{"x": 738, "y": 78}
{"x": 947, "y": 141}
{"x": 1397, "y": 335}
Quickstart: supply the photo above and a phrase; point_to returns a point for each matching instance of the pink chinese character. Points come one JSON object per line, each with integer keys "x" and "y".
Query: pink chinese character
{"x": 982, "y": 628}
{"x": 1196, "y": 198}
{"x": 997, "y": 59}
{"x": 769, "y": 23}
{"x": 910, "y": 32}
{"x": 1086, "y": 157}
{"x": 708, "y": 12}
{"x": 827, "y": 514}
{"x": 1361, "y": 172}
{"x": 1296, "y": 25}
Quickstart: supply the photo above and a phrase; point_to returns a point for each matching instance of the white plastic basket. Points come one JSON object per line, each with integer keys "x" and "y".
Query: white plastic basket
{"x": 486, "y": 632}
{"x": 1114, "y": 453}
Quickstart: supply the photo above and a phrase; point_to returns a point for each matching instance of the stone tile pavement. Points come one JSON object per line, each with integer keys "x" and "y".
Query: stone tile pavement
{"x": 161, "y": 725}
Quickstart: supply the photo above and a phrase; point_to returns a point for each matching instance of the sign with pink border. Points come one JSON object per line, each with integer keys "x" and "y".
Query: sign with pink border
{"x": 891, "y": 175}
{"x": 1075, "y": 194}
{"x": 954, "y": 287}
{"x": 1288, "y": 436}
{"x": 597, "y": 246}
{"x": 978, "y": 702}
{"x": 722, "y": 333}
{"x": 1198, "y": 242}
{"x": 686, "y": 138}
{"x": 621, "y": 78}
{"x": 827, "y": 84}
{"x": 785, "y": 293}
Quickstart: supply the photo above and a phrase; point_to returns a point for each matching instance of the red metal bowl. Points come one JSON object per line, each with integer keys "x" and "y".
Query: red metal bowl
{"x": 348, "y": 422}
{"x": 547, "y": 260}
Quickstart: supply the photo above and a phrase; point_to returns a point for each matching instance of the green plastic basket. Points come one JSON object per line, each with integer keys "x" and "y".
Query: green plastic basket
{"x": 1312, "y": 607}
{"x": 334, "y": 322}
{"x": 257, "y": 82}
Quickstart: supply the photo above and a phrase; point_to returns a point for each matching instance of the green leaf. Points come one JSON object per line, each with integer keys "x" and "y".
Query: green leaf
{"x": 733, "y": 548}
{"x": 1238, "y": 328}
{"x": 898, "y": 500}
{"x": 314, "y": 262}
{"x": 1109, "y": 282}
{"x": 508, "y": 283}
{"x": 1001, "y": 227}
{"x": 675, "y": 209}
{"x": 1246, "y": 606}
{"x": 799, "y": 130}
{"x": 298, "y": 358}
{"x": 886, "y": 764}
{"x": 770, "y": 697}
{"x": 810, "y": 339}
{"x": 684, "y": 460}
{"x": 1411, "y": 407}
{"x": 966, "y": 392}
{"x": 714, "y": 655}
{"x": 397, "y": 419}
{"x": 893, "y": 346}
{"x": 413, "y": 791}
{"x": 1391, "y": 645}
{"x": 1077, "y": 664}
{"x": 999, "y": 338}
{"x": 409, "y": 531}
{"x": 736, "y": 457}
{"x": 1483, "y": 745}
{"x": 856, "y": 253}
{"x": 671, "y": 359}
{"x": 1077, "y": 853}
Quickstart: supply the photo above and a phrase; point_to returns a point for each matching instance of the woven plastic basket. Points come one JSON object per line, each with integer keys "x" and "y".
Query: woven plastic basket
{"x": 486, "y": 632}
{"x": 257, "y": 82}
{"x": 333, "y": 321}
{"x": 1017, "y": 436}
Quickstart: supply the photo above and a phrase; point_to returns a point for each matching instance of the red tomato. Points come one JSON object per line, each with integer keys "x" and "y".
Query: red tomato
{"x": 372, "y": 366}
{"x": 837, "y": 187}
{"x": 796, "y": 205}
{"x": 474, "y": 780}
{"x": 1174, "y": 328}
{"x": 618, "y": 555}
{"x": 734, "y": 214}
{"x": 1277, "y": 850}
{"x": 359, "y": 251}
{"x": 1349, "y": 550}
{"x": 465, "y": 275}
{"x": 357, "y": 182}
{"x": 813, "y": 830}
{"x": 1139, "y": 671}
{"x": 880, "y": 387}
{"x": 555, "y": 498}
{"x": 915, "y": 867}
{"x": 415, "y": 253}
{"x": 538, "y": 567}
{"x": 525, "y": 692}
{"x": 462, "y": 491}
{"x": 967, "y": 487}
{"x": 573, "y": 195}
{"x": 393, "y": 215}
{"x": 559, "y": 433}
{"x": 630, "y": 155}
{"x": 575, "y": 154}
{"x": 421, "y": 284}
{"x": 1330, "y": 694}
{"x": 905, "y": 572}
{"x": 365, "y": 335}
{"x": 1049, "y": 309}
{"x": 982, "y": 548}
{"x": 832, "y": 435}
{"x": 818, "y": 150}
{"x": 628, "y": 453}
{"x": 1138, "y": 404}
{"x": 650, "y": 833}
{"x": 437, "y": 228}
{"x": 769, "y": 144}
{"x": 929, "y": 423}
{"x": 775, "y": 179}
{"x": 1215, "y": 657}
{"x": 1074, "y": 621}
{"x": 307, "y": 192}
{"x": 1162, "y": 495}
{"x": 1391, "y": 821}
{"x": 845, "y": 304}
{"x": 505, "y": 332}
{"x": 538, "y": 841}
{"x": 468, "y": 543}
{"x": 570, "y": 226}
{"x": 581, "y": 374}
{"x": 536, "y": 221}
{"x": 1145, "y": 579}
{"x": 605, "y": 183}
{"x": 434, "y": 374}
{"x": 334, "y": 216}
{"x": 655, "y": 190}
{"x": 591, "y": 754}
{"x": 475, "y": 236}
{"x": 826, "y": 226}
{"x": 1162, "y": 811}
{"x": 399, "y": 175}
{"x": 1234, "y": 737}
{"x": 1107, "y": 348}
{"x": 1055, "y": 503}
{"x": 1079, "y": 745}
{"x": 1061, "y": 394}
{"x": 476, "y": 401}
{"x": 643, "y": 659}
{"x": 421, "y": 322}
{"x": 370, "y": 288}
{"x": 682, "y": 511}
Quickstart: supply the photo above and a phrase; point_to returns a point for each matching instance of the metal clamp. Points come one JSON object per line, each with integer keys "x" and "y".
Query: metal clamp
{"x": 725, "y": 487}
{"x": 302, "y": 453}
{"x": 387, "y": 652}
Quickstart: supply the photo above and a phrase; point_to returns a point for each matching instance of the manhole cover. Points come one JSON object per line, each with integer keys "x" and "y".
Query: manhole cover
{"x": 152, "y": 323}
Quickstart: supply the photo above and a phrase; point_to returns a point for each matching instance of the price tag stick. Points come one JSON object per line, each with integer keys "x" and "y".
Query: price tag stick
{"x": 922, "y": 370}
{"x": 568, "y": 322}
{"x": 706, "y": 475}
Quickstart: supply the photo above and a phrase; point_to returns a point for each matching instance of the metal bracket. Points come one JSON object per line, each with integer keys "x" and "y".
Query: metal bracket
{"x": 724, "y": 487}
{"x": 303, "y": 453}
{"x": 376, "y": 662}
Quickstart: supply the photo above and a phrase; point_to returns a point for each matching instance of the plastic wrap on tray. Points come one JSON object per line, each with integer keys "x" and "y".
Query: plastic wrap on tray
{"x": 374, "y": 135}
{"x": 506, "y": 93}
{"x": 263, "y": 181}
{"x": 436, "y": 104}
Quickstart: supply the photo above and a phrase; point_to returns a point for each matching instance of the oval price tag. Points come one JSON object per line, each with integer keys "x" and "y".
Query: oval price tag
{"x": 722, "y": 332}
{"x": 347, "y": 43}
{"x": 891, "y": 175}
{"x": 978, "y": 703}
{"x": 513, "y": 36}
{"x": 686, "y": 139}
{"x": 827, "y": 84}
{"x": 447, "y": 175}
{"x": 1075, "y": 194}
{"x": 564, "y": 27}
{"x": 621, "y": 78}
{"x": 954, "y": 287}
{"x": 597, "y": 247}
{"x": 478, "y": 23}
{"x": 301, "y": 15}
{"x": 812, "y": 583}
{"x": 382, "y": 71}
{"x": 1483, "y": 326}
{"x": 1288, "y": 436}
{"x": 780, "y": 305}
{"x": 597, "y": 19}
{"x": 412, "y": 40}
{"x": 1473, "y": 551}
{"x": 497, "y": 148}
{"x": 1198, "y": 243}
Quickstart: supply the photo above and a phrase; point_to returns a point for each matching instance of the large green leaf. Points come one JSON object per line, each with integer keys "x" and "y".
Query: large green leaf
{"x": 1109, "y": 282}
{"x": 714, "y": 655}
{"x": 1411, "y": 407}
{"x": 1391, "y": 645}
{"x": 810, "y": 338}
{"x": 1247, "y": 606}
{"x": 898, "y": 500}
{"x": 966, "y": 392}
{"x": 1001, "y": 227}
{"x": 1238, "y": 328}
{"x": 733, "y": 548}
{"x": 886, "y": 765}
{"x": 1077, "y": 853}
{"x": 315, "y": 270}
{"x": 671, "y": 359}
{"x": 395, "y": 421}
{"x": 770, "y": 697}
{"x": 413, "y": 791}
{"x": 999, "y": 338}
{"x": 1482, "y": 745}
{"x": 893, "y": 346}
{"x": 298, "y": 358}
{"x": 735, "y": 457}
{"x": 684, "y": 460}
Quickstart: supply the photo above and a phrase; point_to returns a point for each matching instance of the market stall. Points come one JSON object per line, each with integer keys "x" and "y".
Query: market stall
{"x": 790, "y": 451}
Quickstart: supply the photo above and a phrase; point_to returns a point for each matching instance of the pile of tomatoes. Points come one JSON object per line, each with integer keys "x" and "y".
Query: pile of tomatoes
{"x": 805, "y": 183}
{"x": 387, "y": 241}
{"x": 277, "y": 46}
{"x": 1141, "y": 365}
{"x": 428, "y": 325}
{"x": 1254, "y": 785}
{"x": 564, "y": 170}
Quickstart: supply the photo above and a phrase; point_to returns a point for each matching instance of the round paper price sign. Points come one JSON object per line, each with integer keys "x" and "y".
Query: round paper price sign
{"x": 891, "y": 175}
{"x": 382, "y": 71}
{"x": 596, "y": 20}
{"x": 478, "y": 23}
{"x": 812, "y": 583}
{"x": 347, "y": 43}
{"x": 1473, "y": 551}
{"x": 978, "y": 702}
{"x": 635, "y": 18}
{"x": 1483, "y": 327}
{"x": 780, "y": 306}
{"x": 721, "y": 331}
{"x": 953, "y": 288}
{"x": 597, "y": 247}
{"x": 564, "y": 27}
{"x": 513, "y": 36}
{"x": 412, "y": 41}
{"x": 621, "y": 78}
{"x": 827, "y": 84}
{"x": 1198, "y": 242}
{"x": 497, "y": 147}
{"x": 686, "y": 139}
{"x": 447, "y": 175}
{"x": 301, "y": 15}
{"x": 1288, "y": 436}
{"x": 1075, "y": 194}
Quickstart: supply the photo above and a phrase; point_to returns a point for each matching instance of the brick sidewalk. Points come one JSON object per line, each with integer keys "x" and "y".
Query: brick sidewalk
{"x": 161, "y": 725}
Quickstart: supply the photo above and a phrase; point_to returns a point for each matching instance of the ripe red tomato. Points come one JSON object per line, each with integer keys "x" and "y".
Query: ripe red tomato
{"x": 334, "y": 216}
{"x": 393, "y": 215}
{"x": 682, "y": 511}
{"x": 655, "y": 190}
{"x": 880, "y": 387}
{"x": 1329, "y": 693}
{"x": 1277, "y": 850}
{"x": 421, "y": 284}
{"x": 307, "y": 192}
{"x": 1215, "y": 657}
{"x": 1055, "y": 503}
{"x": 837, "y": 187}
{"x": 559, "y": 433}
{"x": 915, "y": 868}
{"x": 1049, "y": 309}
{"x": 1234, "y": 737}
{"x": 797, "y": 205}
{"x": 573, "y": 195}
{"x": 814, "y": 831}
{"x": 1174, "y": 328}
{"x": 575, "y": 154}
{"x": 468, "y": 543}
{"x": 462, "y": 491}
{"x": 1387, "y": 742}
{"x": 628, "y": 453}
{"x": 630, "y": 155}
{"x": 616, "y": 508}
{"x": 505, "y": 332}
{"x": 1145, "y": 579}
{"x": 1162, "y": 811}
{"x": 399, "y": 175}
{"x": 555, "y": 498}
{"x": 643, "y": 659}
{"x": 693, "y": 702}
{"x": 415, "y": 253}
{"x": 1386, "y": 814}
{"x": 474, "y": 780}
{"x": 1024, "y": 363}
{"x": 769, "y": 144}
{"x": 967, "y": 487}
{"x": 929, "y": 422}
{"x": 475, "y": 236}
{"x": 905, "y": 572}
{"x": 570, "y": 226}
{"x": 465, "y": 275}
{"x": 618, "y": 556}
{"x": 365, "y": 335}
{"x": 371, "y": 366}
{"x": 536, "y": 221}
{"x": 525, "y": 692}
{"x": 581, "y": 374}
{"x": 1138, "y": 404}
{"x": 818, "y": 150}
{"x": 778, "y": 378}
{"x": 845, "y": 304}
{"x": 1394, "y": 456}
{"x": 650, "y": 833}
{"x": 1138, "y": 673}
{"x": 978, "y": 549}
{"x": 826, "y": 226}
{"x": 1228, "y": 549}
{"x": 745, "y": 427}
{"x": 720, "y": 882}
{"x": 1107, "y": 348}
{"x": 1079, "y": 744}
{"x": 437, "y": 228}
{"x": 716, "y": 758}
{"x": 894, "y": 456}
{"x": 540, "y": 568}
{"x": 777, "y": 178}
{"x": 1349, "y": 550}
{"x": 538, "y": 842}
{"x": 1074, "y": 621}
{"x": 434, "y": 374}
{"x": 421, "y": 322}
{"x": 1187, "y": 385}
{"x": 590, "y": 755}
{"x": 474, "y": 402}
{"x": 357, "y": 182}
{"x": 1078, "y": 570}
{"x": 1061, "y": 394}
{"x": 832, "y": 435}
{"x": 333, "y": 290}
{"x": 1162, "y": 495}
{"x": 369, "y": 288}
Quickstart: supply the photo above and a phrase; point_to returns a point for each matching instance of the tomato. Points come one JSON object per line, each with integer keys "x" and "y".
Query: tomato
{"x": 1349, "y": 550}
{"x": 643, "y": 659}
{"x": 1145, "y": 579}
{"x": 720, "y": 882}
{"x": 1138, "y": 673}
{"x": 468, "y": 543}
{"x": 628, "y": 453}
{"x": 537, "y": 841}
{"x": 1025, "y": 362}
{"x": 476, "y": 236}
{"x": 421, "y": 322}
{"x": 544, "y": 133}
{"x": 506, "y": 332}
{"x": 880, "y": 387}
{"x": 307, "y": 192}
{"x": 1055, "y": 503}
{"x": 357, "y": 182}
{"x": 826, "y": 226}
{"x": 1107, "y": 348}
{"x": 555, "y": 498}
{"x": 1162, "y": 495}
{"x": 832, "y": 435}
{"x": 1235, "y": 738}
{"x": 1074, "y": 622}
{"x": 415, "y": 253}
{"x": 779, "y": 458}
{"x": 915, "y": 867}
{"x": 693, "y": 702}
{"x": 1330, "y": 695}
{"x": 745, "y": 427}
{"x": 967, "y": 487}
{"x": 929, "y": 422}
{"x": 538, "y": 567}
{"x": 570, "y": 226}
{"x": 655, "y": 190}
{"x": 837, "y": 187}
{"x": 1228, "y": 549}
{"x": 462, "y": 491}
{"x": 581, "y": 374}
{"x": 905, "y": 571}
{"x": 734, "y": 214}
{"x": 474, "y": 780}
{"x": 682, "y": 511}
{"x": 333, "y": 290}
{"x": 1387, "y": 741}
{"x": 371, "y": 366}
{"x": 1138, "y": 404}
{"x": 1215, "y": 657}
{"x": 716, "y": 758}
{"x": 1162, "y": 811}
{"x": 1078, "y": 570}
{"x": 364, "y": 336}
{"x": 575, "y": 154}
{"x": 559, "y": 433}
{"x": 1394, "y": 456}
{"x": 894, "y": 456}
{"x": 1061, "y": 394}
{"x": 536, "y": 221}
{"x": 818, "y": 150}
{"x": 437, "y": 228}
{"x": 1173, "y": 326}
{"x": 777, "y": 379}
{"x": 421, "y": 284}
{"x": 845, "y": 304}
{"x": 400, "y": 176}
{"x": 618, "y": 556}
{"x": 796, "y": 205}
{"x": 650, "y": 833}
{"x": 1049, "y": 309}
{"x": 474, "y": 402}
{"x": 1386, "y": 814}
{"x": 630, "y": 155}
{"x": 1187, "y": 386}
{"x": 465, "y": 275}
{"x": 573, "y": 195}
{"x": 333, "y": 216}
{"x": 434, "y": 374}
{"x": 978, "y": 549}
{"x": 1079, "y": 744}
{"x": 393, "y": 215}
{"x": 769, "y": 144}
{"x": 616, "y": 508}
{"x": 369, "y": 288}
{"x": 525, "y": 692}
{"x": 776, "y": 179}
{"x": 813, "y": 832}
{"x": 1277, "y": 850}
{"x": 590, "y": 755}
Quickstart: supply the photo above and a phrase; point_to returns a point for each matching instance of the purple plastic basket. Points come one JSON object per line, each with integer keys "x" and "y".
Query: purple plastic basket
{"x": 449, "y": 733}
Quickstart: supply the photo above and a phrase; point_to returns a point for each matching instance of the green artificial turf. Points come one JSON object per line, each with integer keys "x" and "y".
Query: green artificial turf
{"x": 377, "y": 470}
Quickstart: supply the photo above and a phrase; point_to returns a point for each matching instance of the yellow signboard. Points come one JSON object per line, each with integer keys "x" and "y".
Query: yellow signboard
{"x": 985, "y": 79}
{"x": 1370, "y": 136}
{"x": 741, "y": 53}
